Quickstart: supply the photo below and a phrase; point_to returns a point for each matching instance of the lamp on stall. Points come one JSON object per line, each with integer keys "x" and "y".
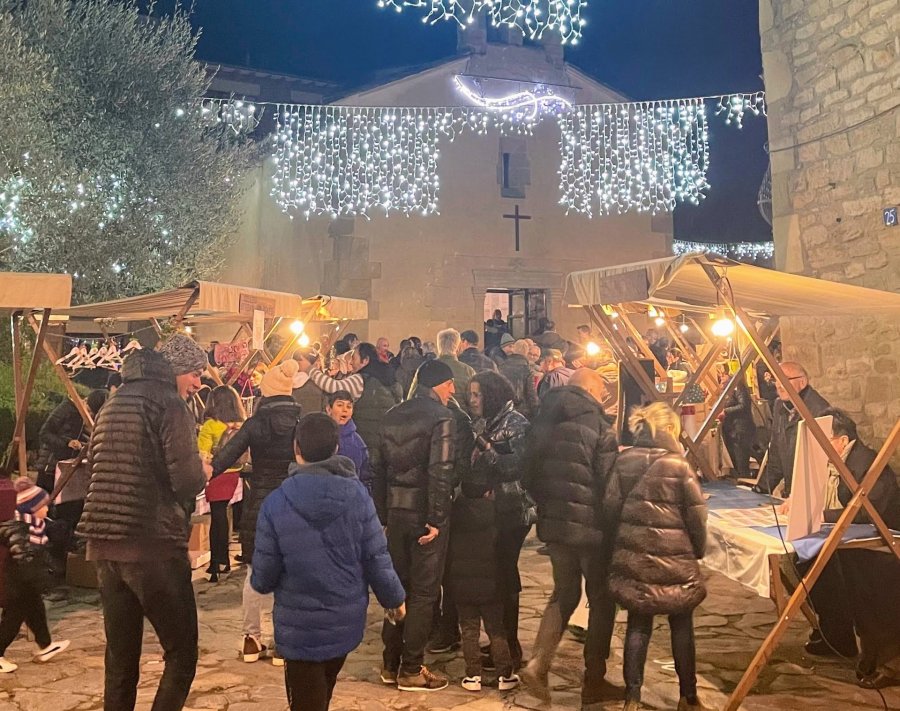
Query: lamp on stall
{"x": 592, "y": 349}
{"x": 684, "y": 328}
{"x": 297, "y": 327}
{"x": 303, "y": 341}
{"x": 723, "y": 326}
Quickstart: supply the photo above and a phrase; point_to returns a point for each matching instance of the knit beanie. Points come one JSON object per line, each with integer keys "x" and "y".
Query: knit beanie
{"x": 184, "y": 355}
{"x": 30, "y": 498}
{"x": 280, "y": 379}
{"x": 434, "y": 372}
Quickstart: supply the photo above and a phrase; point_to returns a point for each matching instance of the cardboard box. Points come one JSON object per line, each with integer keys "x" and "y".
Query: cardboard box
{"x": 81, "y": 573}
{"x": 199, "y": 540}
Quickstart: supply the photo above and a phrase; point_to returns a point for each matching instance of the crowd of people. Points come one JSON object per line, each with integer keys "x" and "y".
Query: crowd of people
{"x": 417, "y": 475}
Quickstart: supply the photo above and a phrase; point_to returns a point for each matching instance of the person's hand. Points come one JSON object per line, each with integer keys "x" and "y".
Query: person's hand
{"x": 430, "y": 536}
{"x": 721, "y": 417}
{"x": 397, "y": 614}
{"x": 785, "y": 508}
{"x": 75, "y": 444}
{"x": 207, "y": 470}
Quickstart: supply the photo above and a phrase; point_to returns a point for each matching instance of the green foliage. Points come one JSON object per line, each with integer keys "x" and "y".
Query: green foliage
{"x": 118, "y": 177}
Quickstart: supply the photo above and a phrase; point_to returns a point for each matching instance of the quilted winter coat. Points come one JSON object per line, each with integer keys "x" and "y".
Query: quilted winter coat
{"x": 569, "y": 452}
{"x": 145, "y": 466}
{"x": 269, "y": 435}
{"x": 655, "y": 509}
{"x": 319, "y": 547}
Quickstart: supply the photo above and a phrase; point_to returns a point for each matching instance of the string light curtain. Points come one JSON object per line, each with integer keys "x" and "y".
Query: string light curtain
{"x": 532, "y": 17}
{"x": 643, "y": 157}
{"x": 614, "y": 158}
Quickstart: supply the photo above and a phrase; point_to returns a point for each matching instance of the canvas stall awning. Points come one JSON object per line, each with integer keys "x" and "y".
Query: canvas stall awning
{"x": 337, "y": 308}
{"x": 682, "y": 283}
{"x": 20, "y": 292}
{"x": 205, "y": 301}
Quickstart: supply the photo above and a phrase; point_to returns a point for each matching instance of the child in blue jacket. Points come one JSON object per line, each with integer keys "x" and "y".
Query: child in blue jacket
{"x": 339, "y": 408}
{"x": 319, "y": 547}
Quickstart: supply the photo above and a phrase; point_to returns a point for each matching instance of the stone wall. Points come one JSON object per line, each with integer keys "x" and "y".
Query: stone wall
{"x": 832, "y": 75}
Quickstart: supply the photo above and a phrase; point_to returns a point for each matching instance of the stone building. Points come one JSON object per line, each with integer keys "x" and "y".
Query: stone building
{"x": 421, "y": 274}
{"x": 832, "y": 76}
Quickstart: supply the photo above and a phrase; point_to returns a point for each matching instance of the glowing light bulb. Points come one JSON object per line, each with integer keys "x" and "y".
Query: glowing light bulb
{"x": 660, "y": 320}
{"x": 188, "y": 330}
{"x": 303, "y": 340}
{"x": 684, "y": 328}
{"x": 297, "y": 327}
{"x": 723, "y": 327}
{"x": 592, "y": 349}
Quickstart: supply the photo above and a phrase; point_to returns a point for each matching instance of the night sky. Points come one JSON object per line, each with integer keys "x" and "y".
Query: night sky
{"x": 646, "y": 49}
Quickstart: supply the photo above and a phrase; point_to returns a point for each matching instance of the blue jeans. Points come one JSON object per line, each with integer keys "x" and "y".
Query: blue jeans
{"x": 161, "y": 591}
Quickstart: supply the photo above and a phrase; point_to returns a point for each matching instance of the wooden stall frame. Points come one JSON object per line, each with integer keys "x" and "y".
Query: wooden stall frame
{"x": 833, "y": 540}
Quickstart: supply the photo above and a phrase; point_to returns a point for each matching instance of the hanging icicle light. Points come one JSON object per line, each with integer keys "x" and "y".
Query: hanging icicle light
{"x": 532, "y": 17}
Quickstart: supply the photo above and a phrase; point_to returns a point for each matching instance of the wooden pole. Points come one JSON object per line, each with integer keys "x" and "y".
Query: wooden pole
{"x": 640, "y": 343}
{"x": 701, "y": 372}
{"x": 17, "y": 444}
{"x": 24, "y": 396}
{"x": 53, "y": 356}
{"x": 604, "y": 323}
{"x": 832, "y": 542}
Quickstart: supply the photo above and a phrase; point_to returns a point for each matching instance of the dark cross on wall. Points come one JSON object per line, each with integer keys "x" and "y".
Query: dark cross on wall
{"x": 517, "y": 217}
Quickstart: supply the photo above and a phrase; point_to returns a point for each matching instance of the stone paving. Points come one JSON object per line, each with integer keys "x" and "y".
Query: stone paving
{"x": 729, "y": 627}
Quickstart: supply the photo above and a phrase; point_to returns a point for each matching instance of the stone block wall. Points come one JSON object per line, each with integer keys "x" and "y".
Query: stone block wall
{"x": 832, "y": 75}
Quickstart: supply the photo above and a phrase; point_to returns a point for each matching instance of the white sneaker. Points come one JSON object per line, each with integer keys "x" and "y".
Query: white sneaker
{"x": 50, "y": 651}
{"x": 472, "y": 683}
{"x": 508, "y": 683}
{"x": 7, "y": 666}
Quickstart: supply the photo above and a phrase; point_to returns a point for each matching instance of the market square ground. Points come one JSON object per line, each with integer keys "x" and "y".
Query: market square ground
{"x": 730, "y": 625}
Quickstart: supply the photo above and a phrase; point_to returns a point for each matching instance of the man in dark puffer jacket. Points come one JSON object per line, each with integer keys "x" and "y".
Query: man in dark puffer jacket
{"x": 570, "y": 452}
{"x": 412, "y": 489}
{"x": 145, "y": 475}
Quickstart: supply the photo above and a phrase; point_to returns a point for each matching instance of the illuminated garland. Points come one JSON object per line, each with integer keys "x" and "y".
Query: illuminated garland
{"x": 644, "y": 157}
{"x": 532, "y": 17}
{"x": 614, "y": 158}
{"x": 738, "y": 250}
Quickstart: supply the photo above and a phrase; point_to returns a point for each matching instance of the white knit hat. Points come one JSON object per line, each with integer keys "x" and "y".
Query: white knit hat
{"x": 280, "y": 379}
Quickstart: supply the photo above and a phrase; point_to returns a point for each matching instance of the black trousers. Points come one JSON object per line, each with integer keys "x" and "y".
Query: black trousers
{"x": 831, "y": 601}
{"x": 739, "y": 444}
{"x": 23, "y": 604}
{"x": 218, "y": 534}
{"x": 420, "y": 569}
{"x": 310, "y": 684}
{"x": 470, "y": 618}
{"x": 160, "y": 591}
{"x": 509, "y": 546}
{"x": 570, "y": 565}
{"x": 637, "y": 642}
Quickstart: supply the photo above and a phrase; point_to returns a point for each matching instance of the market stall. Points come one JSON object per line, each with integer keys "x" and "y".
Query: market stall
{"x": 20, "y": 294}
{"x": 745, "y": 301}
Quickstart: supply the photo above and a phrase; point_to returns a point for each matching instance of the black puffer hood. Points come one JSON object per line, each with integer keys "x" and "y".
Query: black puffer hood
{"x": 147, "y": 364}
{"x": 382, "y": 371}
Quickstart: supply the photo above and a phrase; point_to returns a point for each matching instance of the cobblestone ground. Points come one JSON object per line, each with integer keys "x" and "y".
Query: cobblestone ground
{"x": 730, "y": 625}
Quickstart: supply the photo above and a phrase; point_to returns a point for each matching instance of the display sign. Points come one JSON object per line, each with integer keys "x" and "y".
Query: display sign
{"x": 249, "y": 303}
{"x": 259, "y": 330}
{"x": 890, "y": 217}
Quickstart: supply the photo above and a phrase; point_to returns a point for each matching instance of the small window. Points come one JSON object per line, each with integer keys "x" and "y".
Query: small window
{"x": 506, "y": 184}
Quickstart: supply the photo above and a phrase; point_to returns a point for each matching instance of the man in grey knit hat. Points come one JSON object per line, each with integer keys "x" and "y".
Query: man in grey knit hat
{"x": 145, "y": 475}
{"x": 188, "y": 360}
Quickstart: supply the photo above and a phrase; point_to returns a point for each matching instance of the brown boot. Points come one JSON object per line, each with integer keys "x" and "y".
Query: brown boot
{"x": 695, "y": 705}
{"x": 425, "y": 680}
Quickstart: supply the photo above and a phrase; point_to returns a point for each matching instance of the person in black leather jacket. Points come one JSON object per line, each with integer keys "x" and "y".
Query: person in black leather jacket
{"x": 269, "y": 435}
{"x": 738, "y": 428}
{"x": 413, "y": 483}
{"x": 500, "y": 448}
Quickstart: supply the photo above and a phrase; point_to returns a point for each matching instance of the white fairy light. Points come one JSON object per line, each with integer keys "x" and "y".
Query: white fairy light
{"x": 643, "y": 157}
{"x": 532, "y": 17}
{"x": 521, "y": 106}
{"x": 734, "y": 106}
{"x": 242, "y": 117}
{"x": 736, "y": 250}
